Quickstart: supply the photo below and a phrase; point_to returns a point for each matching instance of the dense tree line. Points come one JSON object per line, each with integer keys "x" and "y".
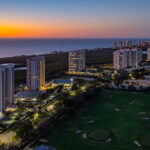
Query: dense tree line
{"x": 99, "y": 56}
{"x": 58, "y": 62}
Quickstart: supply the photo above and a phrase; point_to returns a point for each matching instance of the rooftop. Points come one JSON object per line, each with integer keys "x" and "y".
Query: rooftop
{"x": 122, "y": 50}
{"x": 44, "y": 147}
{"x": 27, "y": 94}
{"x": 63, "y": 81}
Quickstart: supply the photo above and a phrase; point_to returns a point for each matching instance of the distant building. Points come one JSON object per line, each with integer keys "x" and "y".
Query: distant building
{"x": 76, "y": 60}
{"x": 6, "y": 86}
{"x": 123, "y": 44}
{"x": 138, "y": 43}
{"x": 145, "y": 44}
{"x": 128, "y": 44}
{"x": 120, "y": 44}
{"x": 127, "y": 58}
{"x": 114, "y": 45}
{"x": 148, "y": 54}
{"x": 35, "y": 73}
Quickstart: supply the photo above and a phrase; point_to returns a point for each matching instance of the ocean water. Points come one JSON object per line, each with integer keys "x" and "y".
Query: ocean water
{"x": 16, "y": 47}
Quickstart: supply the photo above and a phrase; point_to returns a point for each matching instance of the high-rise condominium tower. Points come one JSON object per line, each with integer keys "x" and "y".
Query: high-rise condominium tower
{"x": 114, "y": 45}
{"x": 120, "y": 44}
{"x": 6, "y": 86}
{"x": 148, "y": 54}
{"x": 76, "y": 60}
{"x": 35, "y": 73}
{"x": 127, "y": 58}
{"x": 138, "y": 43}
{"x": 128, "y": 44}
{"x": 123, "y": 44}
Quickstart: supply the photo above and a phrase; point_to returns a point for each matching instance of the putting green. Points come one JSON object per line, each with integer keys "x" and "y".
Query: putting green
{"x": 99, "y": 135}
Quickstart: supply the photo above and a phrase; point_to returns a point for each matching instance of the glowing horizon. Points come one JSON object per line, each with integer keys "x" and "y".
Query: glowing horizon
{"x": 76, "y": 19}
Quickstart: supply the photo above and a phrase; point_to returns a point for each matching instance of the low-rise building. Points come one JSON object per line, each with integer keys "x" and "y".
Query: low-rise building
{"x": 26, "y": 95}
{"x": 136, "y": 83}
{"x": 62, "y": 81}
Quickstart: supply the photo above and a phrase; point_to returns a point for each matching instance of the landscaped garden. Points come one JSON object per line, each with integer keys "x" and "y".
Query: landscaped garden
{"x": 114, "y": 121}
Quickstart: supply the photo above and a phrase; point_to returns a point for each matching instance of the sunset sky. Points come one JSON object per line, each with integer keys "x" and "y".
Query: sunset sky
{"x": 74, "y": 19}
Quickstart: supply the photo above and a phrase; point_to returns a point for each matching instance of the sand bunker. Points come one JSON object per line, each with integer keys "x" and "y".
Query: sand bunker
{"x": 79, "y": 131}
{"x": 43, "y": 140}
{"x": 92, "y": 121}
{"x": 145, "y": 118}
{"x": 117, "y": 109}
{"x": 137, "y": 143}
{"x": 84, "y": 136}
{"x": 109, "y": 140}
{"x": 141, "y": 113}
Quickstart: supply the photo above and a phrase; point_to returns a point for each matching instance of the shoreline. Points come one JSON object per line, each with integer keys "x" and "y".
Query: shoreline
{"x": 56, "y": 52}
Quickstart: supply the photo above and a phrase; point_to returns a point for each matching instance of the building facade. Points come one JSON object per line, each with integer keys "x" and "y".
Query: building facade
{"x": 123, "y": 44}
{"x": 148, "y": 54}
{"x": 114, "y": 45}
{"x": 138, "y": 43}
{"x": 76, "y": 60}
{"x": 6, "y": 86}
{"x": 120, "y": 45}
{"x": 128, "y": 44}
{"x": 126, "y": 58}
{"x": 145, "y": 43}
{"x": 35, "y": 73}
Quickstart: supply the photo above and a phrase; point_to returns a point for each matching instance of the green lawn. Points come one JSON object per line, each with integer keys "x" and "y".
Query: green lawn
{"x": 125, "y": 125}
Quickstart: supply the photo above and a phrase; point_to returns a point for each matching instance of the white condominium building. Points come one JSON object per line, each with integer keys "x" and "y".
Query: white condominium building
{"x": 138, "y": 43}
{"x": 127, "y": 58}
{"x": 114, "y": 45}
{"x": 35, "y": 73}
{"x": 120, "y": 45}
{"x": 128, "y": 44}
{"x": 148, "y": 54}
{"x": 6, "y": 86}
{"x": 76, "y": 60}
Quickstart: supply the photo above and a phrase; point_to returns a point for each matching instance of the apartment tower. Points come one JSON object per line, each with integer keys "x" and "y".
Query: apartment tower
{"x": 35, "y": 73}
{"x": 6, "y": 86}
{"x": 127, "y": 58}
{"x": 114, "y": 45}
{"x": 148, "y": 54}
{"x": 76, "y": 60}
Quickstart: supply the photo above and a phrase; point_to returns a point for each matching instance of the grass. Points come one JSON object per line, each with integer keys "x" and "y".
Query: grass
{"x": 145, "y": 140}
{"x": 125, "y": 126}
